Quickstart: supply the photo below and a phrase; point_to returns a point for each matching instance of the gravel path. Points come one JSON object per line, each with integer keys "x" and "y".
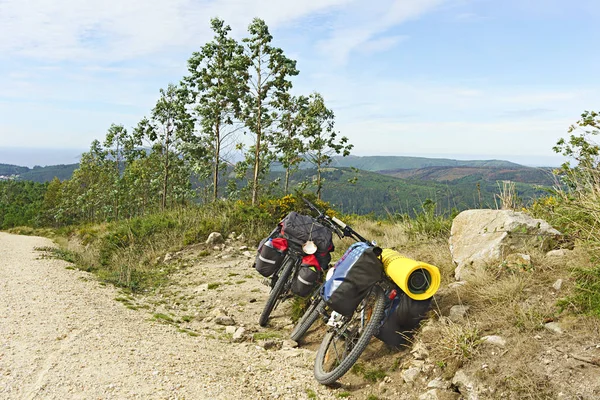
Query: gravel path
{"x": 63, "y": 336}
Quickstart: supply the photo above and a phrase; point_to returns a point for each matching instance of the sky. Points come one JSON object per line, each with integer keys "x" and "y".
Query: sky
{"x": 468, "y": 79}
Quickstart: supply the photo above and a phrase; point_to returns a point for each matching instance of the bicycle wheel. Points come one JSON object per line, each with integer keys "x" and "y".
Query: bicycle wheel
{"x": 315, "y": 309}
{"x": 282, "y": 279}
{"x": 341, "y": 347}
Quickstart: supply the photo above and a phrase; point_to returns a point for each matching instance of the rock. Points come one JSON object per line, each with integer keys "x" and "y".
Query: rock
{"x": 481, "y": 237}
{"x": 214, "y": 238}
{"x": 168, "y": 257}
{"x": 290, "y": 344}
{"x": 438, "y": 383}
{"x": 554, "y": 327}
{"x": 456, "y": 285}
{"x": 419, "y": 351}
{"x": 458, "y": 313}
{"x": 410, "y": 375}
{"x": 224, "y": 320}
{"x": 230, "y": 330}
{"x": 437, "y": 394}
{"x": 217, "y": 312}
{"x": 518, "y": 261}
{"x": 269, "y": 344}
{"x": 248, "y": 254}
{"x": 467, "y": 386}
{"x": 243, "y": 248}
{"x": 202, "y": 288}
{"x": 557, "y": 285}
{"x": 290, "y": 353}
{"x": 495, "y": 340}
{"x": 557, "y": 253}
{"x": 238, "y": 336}
{"x": 231, "y": 235}
{"x": 241, "y": 237}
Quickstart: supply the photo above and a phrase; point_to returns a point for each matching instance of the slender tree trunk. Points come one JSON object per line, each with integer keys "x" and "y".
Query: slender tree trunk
{"x": 166, "y": 176}
{"x": 217, "y": 161}
{"x": 118, "y": 176}
{"x": 287, "y": 180}
{"x": 319, "y": 182}
{"x": 258, "y": 138}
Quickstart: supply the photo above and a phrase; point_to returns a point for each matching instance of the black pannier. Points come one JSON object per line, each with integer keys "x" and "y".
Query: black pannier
{"x": 355, "y": 273}
{"x": 306, "y": 280}
{"x": 269, "y": 258}
{"x": 402, "y": 319}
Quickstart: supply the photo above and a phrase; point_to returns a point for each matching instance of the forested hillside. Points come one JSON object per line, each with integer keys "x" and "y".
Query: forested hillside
{"x": 38, "y": 173}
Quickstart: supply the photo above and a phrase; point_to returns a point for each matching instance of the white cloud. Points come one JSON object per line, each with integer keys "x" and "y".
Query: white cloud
{"x": 381, "y": 44}
{"x": 362, "y": 23}
{"x": 113, "y": 30}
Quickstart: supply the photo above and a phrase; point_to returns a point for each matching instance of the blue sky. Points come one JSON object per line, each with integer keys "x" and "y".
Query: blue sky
{"x": 464, "y": 78}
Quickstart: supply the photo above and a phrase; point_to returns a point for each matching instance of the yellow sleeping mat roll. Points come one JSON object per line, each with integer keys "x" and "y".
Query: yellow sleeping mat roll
{"x": 417, "y": 279}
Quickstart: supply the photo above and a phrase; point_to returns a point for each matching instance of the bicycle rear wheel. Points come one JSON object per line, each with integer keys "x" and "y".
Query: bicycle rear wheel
{"x": 277, "y": 291}
{"x": 341, "y": 347}
{"x": 312, "y": 313}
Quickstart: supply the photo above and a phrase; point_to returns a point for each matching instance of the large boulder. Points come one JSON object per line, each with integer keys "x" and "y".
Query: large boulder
{"x": 482, "y": 237}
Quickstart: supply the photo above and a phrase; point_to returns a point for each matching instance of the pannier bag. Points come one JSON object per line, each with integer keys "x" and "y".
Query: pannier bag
{"x": 299, "y": 229}
{"x": 401, "y": 319}
{"x": 271, "y": 253}
{"x": 355, "y": 273}
{"x": 306, "y": 280}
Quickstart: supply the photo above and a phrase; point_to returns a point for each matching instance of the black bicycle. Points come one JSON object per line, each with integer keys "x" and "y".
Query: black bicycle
{"x": 349, "y": 335}
{"x": 316, "y": 304}
{"x": 282, "y": 280}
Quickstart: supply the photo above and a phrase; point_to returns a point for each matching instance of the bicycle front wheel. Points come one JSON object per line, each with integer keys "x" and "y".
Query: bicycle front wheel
{"x": 341, "y": 347}
{"x": 315, "y": 309}
{"x": 277, "y": 291}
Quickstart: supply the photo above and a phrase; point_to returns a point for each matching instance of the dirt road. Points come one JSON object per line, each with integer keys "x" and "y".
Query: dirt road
{"x": 63, "y": 336}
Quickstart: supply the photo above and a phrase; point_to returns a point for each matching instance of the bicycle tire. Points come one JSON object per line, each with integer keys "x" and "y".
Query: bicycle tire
{"x": 286, "y": 271}
{"x": 308, "y": 319}
{"x": 360, "y": 343}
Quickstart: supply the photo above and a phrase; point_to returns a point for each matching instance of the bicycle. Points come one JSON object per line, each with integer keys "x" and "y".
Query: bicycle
{"x": 317, "y": 305}
{"x": 349, "y": 335}
{"x": 283, "y": 278}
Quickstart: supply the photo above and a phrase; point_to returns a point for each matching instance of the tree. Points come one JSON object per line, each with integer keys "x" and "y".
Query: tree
{"x": 268, "y": 80}
{"x": 216, "y": 84}
{"x": 322, "y": 140}
{"x": 288, "y": 144}
{"x": 121, "y": 147}
{"x": 170, "y": 124}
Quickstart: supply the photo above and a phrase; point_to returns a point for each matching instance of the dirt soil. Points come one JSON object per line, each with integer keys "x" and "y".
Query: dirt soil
{"x": 65, "y": 335}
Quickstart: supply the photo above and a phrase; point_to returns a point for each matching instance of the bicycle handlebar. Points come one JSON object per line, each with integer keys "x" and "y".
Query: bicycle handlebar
{"x": 339, "y": 227}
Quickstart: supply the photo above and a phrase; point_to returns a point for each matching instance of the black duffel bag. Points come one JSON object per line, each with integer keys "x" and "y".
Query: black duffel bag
{"x": 299, "y": 229}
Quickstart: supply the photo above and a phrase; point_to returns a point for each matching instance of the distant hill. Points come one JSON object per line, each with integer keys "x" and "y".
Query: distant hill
{"x": 391, "y": 163}
{"x": 377, "y": 193}
{"x": 37, "y": 173}
{"x": 539, "y": 176}
{"x": 9, "y": 170}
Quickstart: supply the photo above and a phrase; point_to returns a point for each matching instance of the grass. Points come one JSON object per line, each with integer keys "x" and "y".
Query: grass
{"x": 163, "y": 318}
{"x": 267, "y": 336}
{"x": 311, "y": 394}
{"x": 343, "y": 395}
{"x": 129, "y": 253}
{"x": 213, "y": 285}
{"x": 371, "y": 374}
